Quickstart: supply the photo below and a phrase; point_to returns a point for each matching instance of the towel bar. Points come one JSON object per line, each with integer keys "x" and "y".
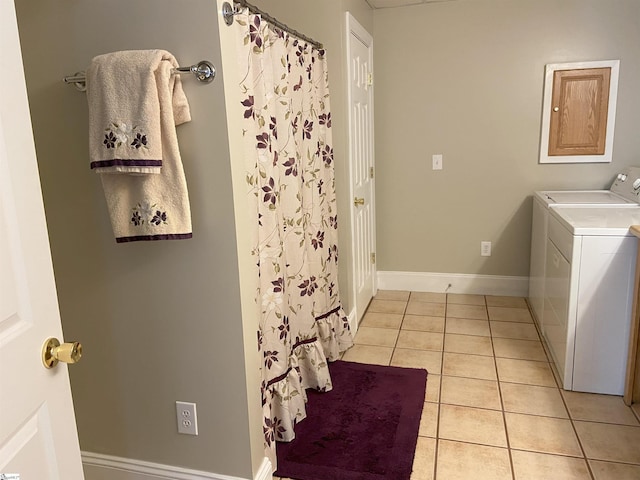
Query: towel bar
{"x": 204, "y": 71}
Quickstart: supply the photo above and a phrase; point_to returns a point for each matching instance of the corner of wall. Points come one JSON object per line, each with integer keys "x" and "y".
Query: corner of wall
{"x": 243, "y": 236}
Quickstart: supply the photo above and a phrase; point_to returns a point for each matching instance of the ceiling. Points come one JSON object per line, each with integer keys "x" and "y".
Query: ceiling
{"x": 398, "y": 3}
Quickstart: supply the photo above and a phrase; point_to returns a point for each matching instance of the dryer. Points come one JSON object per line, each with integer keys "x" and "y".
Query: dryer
{"x": 621, "y": 193}
{"x": 589, "y": 286}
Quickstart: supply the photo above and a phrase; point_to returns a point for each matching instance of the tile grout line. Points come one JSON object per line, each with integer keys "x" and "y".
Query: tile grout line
{"x": 437, "y": 445}
{"x": 557, "y": 379}
{"x": 435, "y": 450}
{"x": 395, "y": 345}
{"x": 636, "y": 414}
{"x": 575, "y": 431}
{"x": 437, "y": 419}
{"x": 504, "y": 415}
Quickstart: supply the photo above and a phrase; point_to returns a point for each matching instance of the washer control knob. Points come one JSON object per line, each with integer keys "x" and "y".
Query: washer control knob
{"x": 619, "y": 177}
{"x": 636, "y": 184}
{"x": 624, "y": 177}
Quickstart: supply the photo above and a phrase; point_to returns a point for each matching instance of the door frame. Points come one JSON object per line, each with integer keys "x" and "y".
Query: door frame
{"x": 353, "y": 27}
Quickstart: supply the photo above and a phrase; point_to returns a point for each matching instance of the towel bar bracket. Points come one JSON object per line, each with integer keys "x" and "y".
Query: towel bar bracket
{"x": 228, "y": 12}
{"x": 204, "y": 71}
{"x": 78, "y": 80}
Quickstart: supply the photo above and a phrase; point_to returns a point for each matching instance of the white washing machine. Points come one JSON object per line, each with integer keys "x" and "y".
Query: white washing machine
{"x": 589, "y": 286}
{"x": 620, "y": 194}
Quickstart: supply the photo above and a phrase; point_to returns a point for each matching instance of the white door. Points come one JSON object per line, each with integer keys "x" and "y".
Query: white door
{"x": 361, "y": 163}
{"x": 38, "y": 438}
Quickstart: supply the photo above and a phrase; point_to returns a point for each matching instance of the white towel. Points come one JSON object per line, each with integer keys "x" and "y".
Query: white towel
{"x": 142, "y": 174}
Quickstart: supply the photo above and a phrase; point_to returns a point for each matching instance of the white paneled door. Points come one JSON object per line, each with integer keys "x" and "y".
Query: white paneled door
{"x": 361, "y": 163}
{"x": 38, "y": 438}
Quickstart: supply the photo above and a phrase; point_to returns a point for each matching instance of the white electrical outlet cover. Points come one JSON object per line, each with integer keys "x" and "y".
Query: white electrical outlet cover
{"x": 187, "y": 418}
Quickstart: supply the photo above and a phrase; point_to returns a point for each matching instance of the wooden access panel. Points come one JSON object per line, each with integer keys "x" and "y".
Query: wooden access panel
{"x": 579, "y": 108}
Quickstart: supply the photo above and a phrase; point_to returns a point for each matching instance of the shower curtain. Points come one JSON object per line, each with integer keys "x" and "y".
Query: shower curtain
{"x": 290, "y": 178}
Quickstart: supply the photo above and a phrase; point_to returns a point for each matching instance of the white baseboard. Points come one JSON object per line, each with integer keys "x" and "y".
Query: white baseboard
{"x": 265, "y": 472}
{"x": 106, "y": 467}
{"x": 454, "y": 283}
{"x": 353, "y": 323}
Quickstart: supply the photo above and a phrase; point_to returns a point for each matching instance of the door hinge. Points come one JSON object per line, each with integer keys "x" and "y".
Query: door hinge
{"x": 369, "y": 79}
{"x": 373, "y": 258}
{"x": 370, "y": 172}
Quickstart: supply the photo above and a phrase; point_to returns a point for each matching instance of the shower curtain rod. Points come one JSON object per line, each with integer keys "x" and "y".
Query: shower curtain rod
{"x": 229, "y": 12}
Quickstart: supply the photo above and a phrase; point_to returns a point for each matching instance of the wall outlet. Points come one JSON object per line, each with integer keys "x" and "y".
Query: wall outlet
{"x": 485, "y": 249}
{"x": 187, "y": 418}
{"x": 437, "y": 162}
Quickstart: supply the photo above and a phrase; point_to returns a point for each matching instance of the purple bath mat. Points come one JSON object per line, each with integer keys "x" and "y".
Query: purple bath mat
{"x": 366, "y": 428}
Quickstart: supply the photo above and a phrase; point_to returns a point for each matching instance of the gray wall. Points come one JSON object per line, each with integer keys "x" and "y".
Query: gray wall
{"x": 325, "y": 22}
{"x": 159, "y": 321}
{"x": 465, "y": 79}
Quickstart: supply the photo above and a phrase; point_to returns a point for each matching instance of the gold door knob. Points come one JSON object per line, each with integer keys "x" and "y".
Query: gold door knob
{"x": 555, "y": 109}
{"x": 53, "y": 352}
{"x": 358, "y": 201}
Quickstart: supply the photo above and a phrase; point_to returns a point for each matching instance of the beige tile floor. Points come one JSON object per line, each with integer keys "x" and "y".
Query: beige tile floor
{"x": 493, "y": 409}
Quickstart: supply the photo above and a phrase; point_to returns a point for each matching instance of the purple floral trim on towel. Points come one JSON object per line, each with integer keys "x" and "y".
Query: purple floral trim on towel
{"x": 120, "y": 162}
{"x": 140, "y": 238}
{"x": 139, "y": 141}
{"x": 110, "y": 140}
{"x": 150, "y": 214}
{"x": 119, "y": 134}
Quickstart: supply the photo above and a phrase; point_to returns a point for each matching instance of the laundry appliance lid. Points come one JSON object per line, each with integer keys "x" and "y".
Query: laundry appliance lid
{"x": 587, "y": 197}
{"x": 625, "y": 190}
{"x": 597, "y": 221}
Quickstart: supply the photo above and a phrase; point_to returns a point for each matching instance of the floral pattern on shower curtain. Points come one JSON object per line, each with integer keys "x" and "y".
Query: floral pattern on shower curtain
{"x": 290, "y": 176}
